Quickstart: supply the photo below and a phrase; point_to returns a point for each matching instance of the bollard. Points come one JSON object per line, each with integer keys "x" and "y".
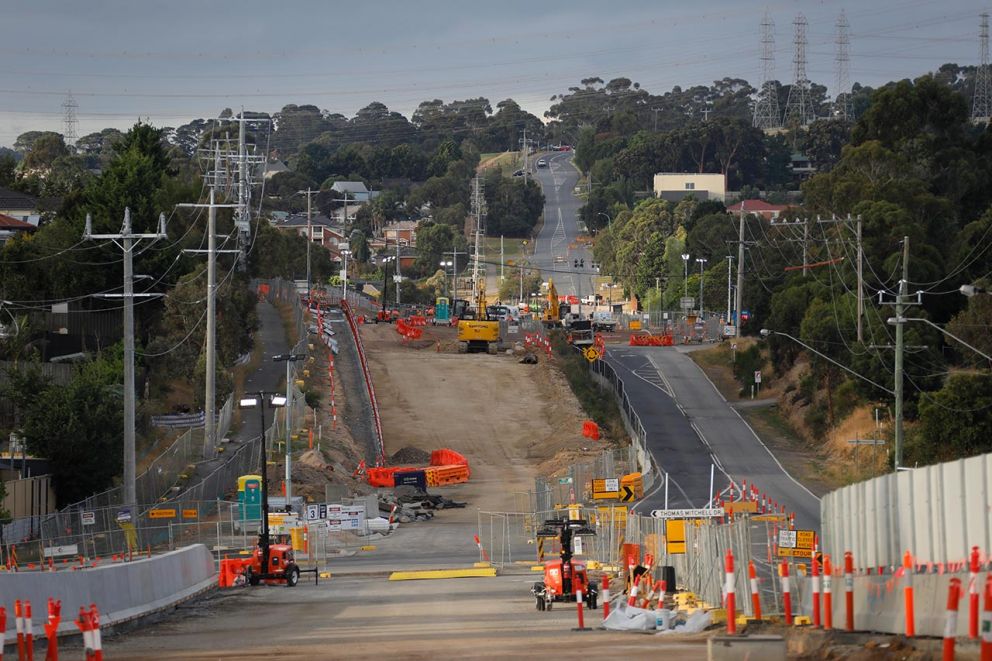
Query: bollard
{"x": 849, "y": 590}
{"x": 482, "y": 551}
{"x": 19, "y": 622}
{"x": 755, "y": 598}
{"x": 828, "y": 597}
{"x": 83, "y": 624}
{"x": 606, "y": 596}
{"x": 731, "y": 603}
{"x": 632, "y": 597}
{"x": 578, "y": 608}
{"x": 28, "y": 631}
{"x": 95, "y": 633}
{"x": 907, "y": 565}
{"x": 987, "y": 620}
{"x": 815, "y": 576}
{"x": 951, "y": 620}
{"x": 973, "y": 594}
{"x": 786, "y": 594}
{"x": 3, "y": 630}
{"x": 51, "y": 629}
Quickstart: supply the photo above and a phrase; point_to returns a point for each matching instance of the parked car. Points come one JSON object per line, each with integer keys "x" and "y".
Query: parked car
{"x": 542, "y": 163}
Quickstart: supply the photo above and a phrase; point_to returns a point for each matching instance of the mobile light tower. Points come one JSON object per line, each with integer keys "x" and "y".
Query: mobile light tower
{"x": 289, "y": 359}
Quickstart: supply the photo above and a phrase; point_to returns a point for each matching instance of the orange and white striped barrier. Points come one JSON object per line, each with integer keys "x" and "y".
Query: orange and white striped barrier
{"x": 951, "y": 618}
{"x": 815, "y": 580}
{"x": 578, "y": 608}
{"x": 907, "y": 565}
{"x": 632, "y": 597}
{"x": 973, "y": 593}
{"x": 752, "y": 576}
{"x": 786, "y": 594}
{"x": 731, "y": 603}
{"x": 482, "y": 551}
{"x": 986, "y": 645}
{"x": 51, "y": 629}
{"x": 606, "y": 596}
{"x": 19, "y": 623}
{"x": 849, "y": 590}
{"x": 828, "y": 597}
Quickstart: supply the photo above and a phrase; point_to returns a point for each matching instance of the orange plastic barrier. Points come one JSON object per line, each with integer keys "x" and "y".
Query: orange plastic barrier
{"x": 407, "y": 331}
{"x": 590, "y": 430}
{"x": 651, "y": 340}
{"x": 446, "y": 457}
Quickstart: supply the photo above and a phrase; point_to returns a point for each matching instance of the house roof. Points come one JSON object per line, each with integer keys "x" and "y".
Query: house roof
{"x": 350, "y": 187}
{"x": 300, "y": 220}
{"x": 401, "y": 225}
{"x": 12, "y": 199}
{"x": 13, "y": 224}
{"x": 755, "y": 206}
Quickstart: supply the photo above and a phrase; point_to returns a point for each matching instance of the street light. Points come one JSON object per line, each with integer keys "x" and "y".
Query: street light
{"x": 701, "y": 261}
{"x": 971, "y": 290}
{"x": 892, "y": 321}
{"x": 385, "y": 282}
{"x": 275, "y": 401}
{"x": 685, "y": 273}
{"x": 344, "y": 272}
{"x": 609, "y": 221}
{"x": 445, "y": 265}
{"x": 289, "y": 359}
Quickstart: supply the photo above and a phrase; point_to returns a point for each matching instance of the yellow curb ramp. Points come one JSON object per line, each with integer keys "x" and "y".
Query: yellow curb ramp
{"x": 478, "y": 572}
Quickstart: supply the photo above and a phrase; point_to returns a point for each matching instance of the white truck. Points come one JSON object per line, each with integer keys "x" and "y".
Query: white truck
{"x": 603, "y": 321}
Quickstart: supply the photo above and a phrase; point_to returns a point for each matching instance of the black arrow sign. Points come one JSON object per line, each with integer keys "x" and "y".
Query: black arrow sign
{"x": 626, "y": 494}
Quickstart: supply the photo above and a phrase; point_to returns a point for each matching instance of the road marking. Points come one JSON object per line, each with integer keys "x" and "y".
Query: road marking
{"x": 442, "y": 573}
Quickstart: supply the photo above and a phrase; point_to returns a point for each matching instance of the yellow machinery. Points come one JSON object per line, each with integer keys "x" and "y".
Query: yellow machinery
{"x": 479, "y": 334}
{"x": 552, "y": 313}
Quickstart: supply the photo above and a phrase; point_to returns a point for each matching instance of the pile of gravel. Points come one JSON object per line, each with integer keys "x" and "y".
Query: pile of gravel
{"x": 410, "y": 456}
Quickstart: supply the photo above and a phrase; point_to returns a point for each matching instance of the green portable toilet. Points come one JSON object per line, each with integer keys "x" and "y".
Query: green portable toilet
{"x": 250, "y": 498}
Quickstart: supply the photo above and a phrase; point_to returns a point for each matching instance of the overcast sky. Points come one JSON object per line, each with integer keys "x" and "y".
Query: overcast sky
{"x": 179, "y": 60}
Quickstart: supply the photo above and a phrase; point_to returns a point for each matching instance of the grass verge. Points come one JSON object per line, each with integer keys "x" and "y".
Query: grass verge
{"x": 599, "y": 404}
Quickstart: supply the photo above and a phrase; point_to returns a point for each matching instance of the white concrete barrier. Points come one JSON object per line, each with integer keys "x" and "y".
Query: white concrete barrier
{"x": 122, "y": 591}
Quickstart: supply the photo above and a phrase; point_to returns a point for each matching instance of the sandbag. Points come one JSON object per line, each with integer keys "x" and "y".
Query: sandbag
{"x": 629, "y": 618}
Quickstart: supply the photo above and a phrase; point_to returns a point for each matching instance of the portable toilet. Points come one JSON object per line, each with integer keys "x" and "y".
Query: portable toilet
{"x": 442, "y": 311}
{"x": 250, "y": 498}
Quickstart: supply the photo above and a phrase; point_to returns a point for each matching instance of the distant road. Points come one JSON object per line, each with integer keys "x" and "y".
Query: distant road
{"x": 561, "y": 213}
{"x": 691, "y": 426}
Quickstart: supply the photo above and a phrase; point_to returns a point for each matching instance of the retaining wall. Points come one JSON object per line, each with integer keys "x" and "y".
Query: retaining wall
{"x": 122, "y": 591}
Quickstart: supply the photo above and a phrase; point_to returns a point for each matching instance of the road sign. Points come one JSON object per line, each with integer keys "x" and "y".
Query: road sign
{"x": 627, "y": 494}
{"x": 745, "y": 315}
{"x": 191, "y": 513}
{"x": 162, "y": 513}
{"x": 701, "y": 513}
{"x": 730, "y": 331}
{"x": 741, "y": 507}
{"x": 675, "y": 536}
{"x": 757, "y": 376}
{"x": 63, "y": 550}
{"x": 606, "y": 488}
{"x": 124, "y": 516}
{"x": 687, "y": 302}
{"x": 89, "y": 518}
{"x": 312, "y": 513}
{"x": 617, "y": 512}
{"x": 564, "y": 480}
{"x": 795, "y": 543}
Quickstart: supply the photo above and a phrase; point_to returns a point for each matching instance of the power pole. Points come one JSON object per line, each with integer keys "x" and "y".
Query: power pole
{"x": 126, "y": 240}
{"x": 740, "y": 271}
{"x": 69, "y": 122}
{"x": 730, "y": 268}
{"x": 900, "y": 298}
{"x": 210, "y": 376}
{"x": 861, "y": 284}
{"x": 309, "y": 193}
{"x": 501, "y": 259}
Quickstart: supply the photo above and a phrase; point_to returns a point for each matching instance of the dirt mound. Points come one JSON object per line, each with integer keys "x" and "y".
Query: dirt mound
{"x": 410, "y": 456}
{"x": 313, "y": 459}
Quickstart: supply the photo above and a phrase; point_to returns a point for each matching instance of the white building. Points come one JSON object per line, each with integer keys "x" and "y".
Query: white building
{"x": 674, "y": 186}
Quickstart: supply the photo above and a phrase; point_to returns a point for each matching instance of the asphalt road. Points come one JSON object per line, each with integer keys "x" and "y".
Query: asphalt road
{"x": 561, "y": 211}
{"x": 691, "y": 426}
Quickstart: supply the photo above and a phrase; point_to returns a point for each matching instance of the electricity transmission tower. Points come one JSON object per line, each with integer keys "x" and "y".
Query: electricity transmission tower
{"x": 981, "y": 109}
{"x": 479, "y": 215}
{"x": 766, "y": 111}
{"x": 69, "y": 106}
{"x": 842, "y": 94}
{"x": 799, "y": 107}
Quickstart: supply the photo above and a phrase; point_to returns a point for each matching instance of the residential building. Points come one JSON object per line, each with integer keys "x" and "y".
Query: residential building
{"x": 402, "y": 231}
{"x": 758, "y": 208}
{"x": 674, "y": 186}
{"x": 10, "y": 226}
{"x": 19, "y": 206}
{"x": 356, "y": 190}
{"x": 323, "y": 231}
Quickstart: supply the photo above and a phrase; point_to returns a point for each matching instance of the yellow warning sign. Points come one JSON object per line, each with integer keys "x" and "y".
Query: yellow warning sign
{"x": 618, "y": 512}
{"x": 606, "y": 488}
{"x": 162, "y": 513}
{"x": 741, "y": 507}
{"x": 190, "y": 514}
{"x": 675, "y": 536}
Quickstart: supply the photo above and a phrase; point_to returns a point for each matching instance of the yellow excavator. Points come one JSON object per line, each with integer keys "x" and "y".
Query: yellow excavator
{"x": 479, "y": 334}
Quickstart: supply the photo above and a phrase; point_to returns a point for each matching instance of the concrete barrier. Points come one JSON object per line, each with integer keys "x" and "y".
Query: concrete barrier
{"x": 878, "y": 604}
{"x": 122, "y": 591}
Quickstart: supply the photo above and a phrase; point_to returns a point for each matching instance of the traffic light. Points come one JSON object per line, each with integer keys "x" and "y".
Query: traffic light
{"x": 582, "y": 263}
{"x": 576, "y": 264}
